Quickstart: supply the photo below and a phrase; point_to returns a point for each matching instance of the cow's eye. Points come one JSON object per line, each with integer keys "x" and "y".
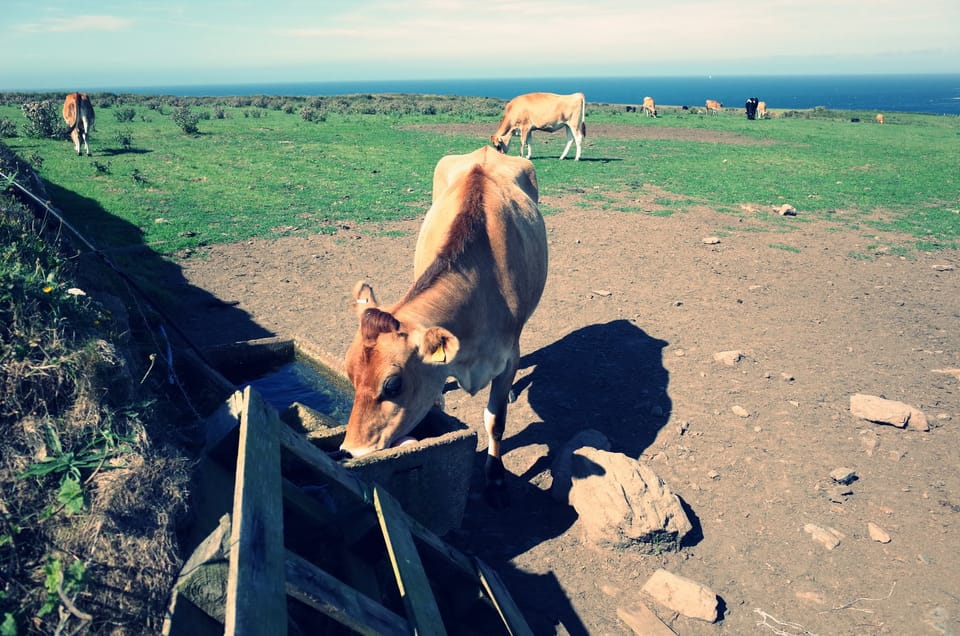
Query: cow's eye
{"x": 392, "y": 387}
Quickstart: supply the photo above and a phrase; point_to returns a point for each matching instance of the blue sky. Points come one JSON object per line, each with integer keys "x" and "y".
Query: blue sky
{"x": 61, "y": 45}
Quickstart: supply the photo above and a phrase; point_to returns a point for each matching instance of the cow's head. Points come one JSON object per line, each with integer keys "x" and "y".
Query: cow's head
{"x": 502, "y": 144}
{"x": 398, "y": 371}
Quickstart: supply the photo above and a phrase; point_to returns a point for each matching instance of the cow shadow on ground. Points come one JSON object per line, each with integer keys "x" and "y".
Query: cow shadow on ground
{"x": 607, "y": 377}
{"x": 114, "y": 152}
{"x": 165, "y": 310}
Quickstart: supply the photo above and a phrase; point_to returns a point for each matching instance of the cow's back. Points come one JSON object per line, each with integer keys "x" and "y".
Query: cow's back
{"x": 514, "y": 227}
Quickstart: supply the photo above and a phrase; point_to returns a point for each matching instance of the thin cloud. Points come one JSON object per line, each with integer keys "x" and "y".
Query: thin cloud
{"x": 78, "y": 23}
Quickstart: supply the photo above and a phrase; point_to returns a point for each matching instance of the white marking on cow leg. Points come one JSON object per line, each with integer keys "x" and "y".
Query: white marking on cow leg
{"x": 493, "y": 443}
{"x": 566, "y": 149}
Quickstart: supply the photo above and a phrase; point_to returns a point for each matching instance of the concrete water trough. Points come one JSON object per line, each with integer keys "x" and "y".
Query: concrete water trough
{"x": 430, "y": 478}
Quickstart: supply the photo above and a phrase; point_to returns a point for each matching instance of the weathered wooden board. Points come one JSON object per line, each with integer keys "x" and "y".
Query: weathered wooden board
{"x": 411, "y": 578}
{"x": 256, "y": 591}
{"x": 327, "y": 595}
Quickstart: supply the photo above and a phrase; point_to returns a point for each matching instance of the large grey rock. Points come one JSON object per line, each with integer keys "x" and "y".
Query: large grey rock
{"x": 623, "y": 504}
{"x": 560, "y": 469}
{"x": 883, "y": 411}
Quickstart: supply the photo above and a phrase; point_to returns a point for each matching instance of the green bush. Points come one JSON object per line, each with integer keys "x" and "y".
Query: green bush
{"x": 7, "y": 128}
{"x": 124, "y": 114}
{"x": 43, "y": 120}
{"x": 125, "y": 139}
{"x": 186, "y": 119}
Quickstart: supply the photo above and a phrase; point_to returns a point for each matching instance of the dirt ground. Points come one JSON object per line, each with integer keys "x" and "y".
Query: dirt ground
{"x": 623, "y": 342}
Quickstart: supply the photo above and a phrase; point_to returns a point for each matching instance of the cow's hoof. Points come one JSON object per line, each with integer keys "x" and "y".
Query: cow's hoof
{"x": 496, "y": 495}
{"x": 339, "y": 455}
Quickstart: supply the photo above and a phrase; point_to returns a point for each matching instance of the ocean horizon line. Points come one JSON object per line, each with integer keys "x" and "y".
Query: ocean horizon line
{"x": 933, "y": 93}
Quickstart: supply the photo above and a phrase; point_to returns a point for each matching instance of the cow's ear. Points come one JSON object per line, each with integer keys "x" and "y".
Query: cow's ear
{"x": 363, "y": 298}
{"x": 438, "y": 346}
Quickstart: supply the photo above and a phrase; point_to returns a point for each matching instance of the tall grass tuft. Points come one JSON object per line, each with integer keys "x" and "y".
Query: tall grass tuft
{"x": 78, "y": 431}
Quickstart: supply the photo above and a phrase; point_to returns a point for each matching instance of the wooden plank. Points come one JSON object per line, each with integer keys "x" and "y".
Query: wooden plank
{"x": 421, "y": 606}
{"x": 202, "y": 580}
{"x": 502, "y": 601}
{"x": 256, "y": 592}
{"x": 223, "y": 421}
{"x": 326, "y": 594}
{"x": 298, "y": 446}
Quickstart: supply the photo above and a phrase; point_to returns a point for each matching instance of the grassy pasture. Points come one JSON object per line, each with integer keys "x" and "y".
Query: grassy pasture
{"x": 263, "y": 169}
{"x": 267, "y": 170}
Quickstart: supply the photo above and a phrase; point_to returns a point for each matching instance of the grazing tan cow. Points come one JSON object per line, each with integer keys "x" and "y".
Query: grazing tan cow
{"x": 713, "y": 106}
{"x": 649, "y": 108}
{"x": 78, "y": 113}
{"x": 479, "y": 270}
{"x": 541, "y": 111}
{"x": 879, "y": 118}
{"x": 762, "y": 110}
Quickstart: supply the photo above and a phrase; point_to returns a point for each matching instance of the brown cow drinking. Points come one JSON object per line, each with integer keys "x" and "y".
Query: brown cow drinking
{"x": 479, "y": 270}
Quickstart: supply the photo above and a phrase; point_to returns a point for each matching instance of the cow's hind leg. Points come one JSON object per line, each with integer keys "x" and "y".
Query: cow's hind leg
{"x": 85, "y": 134}
{"x": 570, "y": 139}
{"x": 495, "y": 423}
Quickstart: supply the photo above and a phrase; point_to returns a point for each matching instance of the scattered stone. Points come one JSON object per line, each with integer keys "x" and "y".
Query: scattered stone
{"x": 602, "y": 292}
{"x": 682, "y": 595}
{"x": 943, "y": 267}
{"x": 918, "y": 420}
{"x": 838, "y": 494}
{"x": 869, "y": 445}
{"x": 643, "y": 621}
{"x": 740, "y": 411}
{"x": 711, "y": 240}
{"x": 560, "y": 488}
{"x": 950, "y": 371}
{"x": 712, "y": 474}
{"x": 623, "y": 504}
{"x": 787, "y": 377}
{"x": 729, "y": 358}
{"x": 877, "y": 533}
{"x": 883, "y": 411}
{"x": 814, "y": 597}
{"x": 786, "y": 210}
{"x": 827, "y": 537}
{"x": 843, "y": 475}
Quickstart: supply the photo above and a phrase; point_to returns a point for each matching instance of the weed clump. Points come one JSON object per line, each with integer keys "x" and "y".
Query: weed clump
{"x": 91, "y": 483}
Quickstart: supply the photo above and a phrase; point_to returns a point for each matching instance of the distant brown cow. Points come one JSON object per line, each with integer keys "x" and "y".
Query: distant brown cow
{"x": 762, "y": 110}
{"x": 713, "y": 106}
{"x": 541, "y": 111}
{"x": 879, "y": 118}
{"x": 649, "y": 108}
{"x": 78, "y": 113}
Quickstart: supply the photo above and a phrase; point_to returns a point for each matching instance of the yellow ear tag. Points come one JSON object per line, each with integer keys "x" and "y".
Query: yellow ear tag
{"x": 439, "y": 355}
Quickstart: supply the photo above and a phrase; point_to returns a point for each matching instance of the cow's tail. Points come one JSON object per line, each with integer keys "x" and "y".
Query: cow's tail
{"x": 583, "y": 114}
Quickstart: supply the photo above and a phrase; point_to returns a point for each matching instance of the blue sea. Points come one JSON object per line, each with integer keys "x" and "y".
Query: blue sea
{"x": 936, "y": 94}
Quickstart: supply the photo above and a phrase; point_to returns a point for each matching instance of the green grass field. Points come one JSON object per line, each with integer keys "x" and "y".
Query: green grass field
{"x": 266, "y": 170}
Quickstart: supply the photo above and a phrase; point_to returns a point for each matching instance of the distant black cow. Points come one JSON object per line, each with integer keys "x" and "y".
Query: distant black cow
{"x": 751, "y": 107}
